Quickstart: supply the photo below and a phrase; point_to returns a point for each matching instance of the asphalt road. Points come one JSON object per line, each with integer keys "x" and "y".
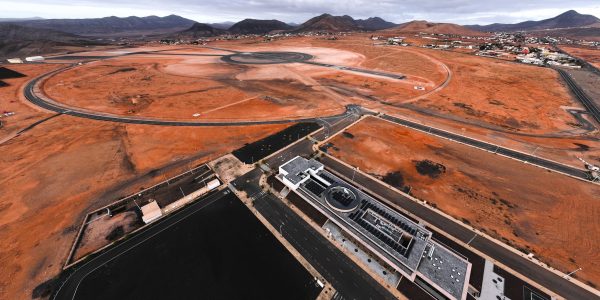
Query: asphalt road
{"x": 534, "y": 160}
{"x": 353, "y": 69}
{"x": 349, "y": 280}
{"x": 580, "y": 94}
{"x": 585, "y": 124}
{"x": 527, "y": 268}
{"x": 32, "y": 97}
{"x": 68, "y": 289}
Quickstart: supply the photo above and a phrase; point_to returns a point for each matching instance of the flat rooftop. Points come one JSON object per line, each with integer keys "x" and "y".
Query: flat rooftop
{"x": 400, "y": 242}
{"x": 296, "y": 169}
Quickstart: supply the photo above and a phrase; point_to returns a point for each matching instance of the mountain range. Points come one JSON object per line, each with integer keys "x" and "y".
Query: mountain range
{"x": 24, "y": 36}
{"x": 252, "y": 26}
{"x": 112, "y": 25}
{"x": 327, "y": 22}
{"x": 568, "y": 19}
{"x": 19, "y": 40}
{"x": 429, "y": 27}
{"x": 198, "y": 30}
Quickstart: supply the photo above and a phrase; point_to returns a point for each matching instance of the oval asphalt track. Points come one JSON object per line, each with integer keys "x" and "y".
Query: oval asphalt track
{"x": 32, "y": 97}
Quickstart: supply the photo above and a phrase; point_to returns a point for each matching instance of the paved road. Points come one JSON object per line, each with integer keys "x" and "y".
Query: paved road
{"x": 353, "y": 69}
{"x": 68, "y": 289}
{"x": 534, "y": 160}
{"x": 349, "y": 280}
{"x": 32, "y": 97}
{"x": 506, "y": 257}
{"x": 585, "y": 124}
{"x": 580, "y": 94}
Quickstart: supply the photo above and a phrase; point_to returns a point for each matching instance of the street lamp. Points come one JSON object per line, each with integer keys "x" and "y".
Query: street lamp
{"x": 354, "y": 172}
{"x": 569, "y": 275}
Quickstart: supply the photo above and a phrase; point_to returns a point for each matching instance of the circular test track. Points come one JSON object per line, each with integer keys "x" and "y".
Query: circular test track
{"x": 31, "y": 95}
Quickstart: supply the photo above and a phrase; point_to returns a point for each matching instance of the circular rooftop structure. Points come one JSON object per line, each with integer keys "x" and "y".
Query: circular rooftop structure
{"x": 341, "y": 198}
{"x": 265, "y": 58}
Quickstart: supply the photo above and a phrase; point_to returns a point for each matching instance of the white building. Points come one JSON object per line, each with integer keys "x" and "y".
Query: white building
{"x": 151, "y": 212}
{"x": 298, "y": 170}
{"x": 34, "y": 58}
{"x": 15, "y": 60}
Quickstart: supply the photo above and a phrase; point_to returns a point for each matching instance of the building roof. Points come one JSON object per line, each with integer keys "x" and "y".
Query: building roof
{"x": 297, "y": 169}
{"x": 151, "y": 212}
{"x": 403, "y": 243}
{"x": 444, "y": 269}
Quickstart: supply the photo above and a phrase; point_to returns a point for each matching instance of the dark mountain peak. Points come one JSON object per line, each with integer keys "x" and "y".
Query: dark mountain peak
{"x": 569, "y": 13}
{"x": 198, "y": 30}
{"x": 374, "y": 23}
{"x": 568, "y": 19}
{"x": 254, "y": 26}
{"x": 327, "y": 22}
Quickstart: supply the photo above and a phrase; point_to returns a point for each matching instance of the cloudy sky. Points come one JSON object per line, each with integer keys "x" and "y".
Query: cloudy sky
{"x": 208, "y": 11}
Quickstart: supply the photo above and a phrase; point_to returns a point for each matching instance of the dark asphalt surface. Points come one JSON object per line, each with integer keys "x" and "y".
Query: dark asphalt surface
{"x": 353, "y": 69}
{"x": 534, "y": 160}
{"x": 69, "y": 288}
{"x": 527, "y": 268}
{"x": 585, "y": 124}
{"x": 349, "y": 280}
{"x": 580, "y": 94}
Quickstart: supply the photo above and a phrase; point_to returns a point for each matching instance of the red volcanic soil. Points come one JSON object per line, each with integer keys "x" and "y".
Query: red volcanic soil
{"x": 56, "y": 173}
{"x": 503, "y": 94}
{"x": 176, "y": 88}
{"x": 10, "y": 99}
{"x": 589, "y": 54}
{"x": 551, "y": 215}
{"x": 67, "y": 166}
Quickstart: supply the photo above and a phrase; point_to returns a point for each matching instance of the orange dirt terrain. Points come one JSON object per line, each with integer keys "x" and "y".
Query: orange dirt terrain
{"x": 55, "y": 173}
{"x": 551, "y": 215}
{"x": 176, "y": 87}
{"x": 486, "y": 98}
{"x": 172, "y": 88}
{"x": 503, "y": 94}
{"x": 184, "y": 84}
{"x": 589, "y": 54}
{"x": 10, "y": 95}
{"x": 497, "y": 94}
